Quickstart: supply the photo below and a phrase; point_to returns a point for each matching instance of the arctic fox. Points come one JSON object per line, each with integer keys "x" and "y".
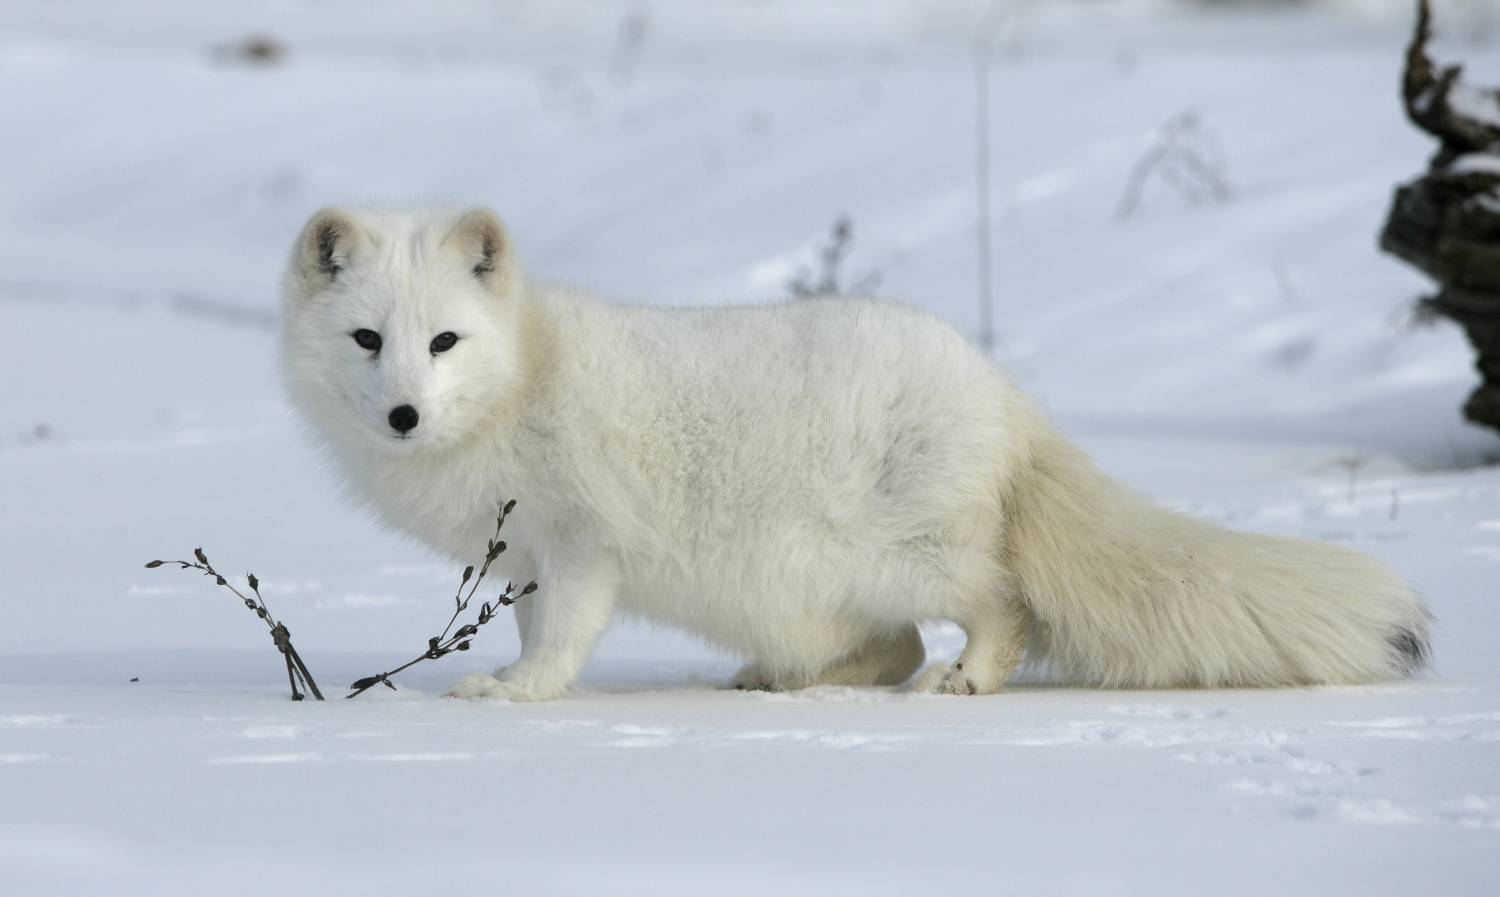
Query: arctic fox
{"x": 802, "y": 484}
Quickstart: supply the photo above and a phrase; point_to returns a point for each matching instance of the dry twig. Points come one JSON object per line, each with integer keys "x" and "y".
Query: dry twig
{"x": 444, "y": 644}
{"x": 830, "y": 257}
{"x": 1185, "y": 155}
{"x": 1428, "y": 92}
{"x": 296, "y": 671}
{"x": 297, "y": 674}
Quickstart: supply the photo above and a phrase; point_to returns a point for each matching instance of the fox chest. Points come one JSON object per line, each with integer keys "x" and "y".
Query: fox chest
{"x": 451, "y": 507}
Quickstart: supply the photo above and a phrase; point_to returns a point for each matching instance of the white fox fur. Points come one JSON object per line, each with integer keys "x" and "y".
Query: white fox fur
{"x": 801, "y": 484}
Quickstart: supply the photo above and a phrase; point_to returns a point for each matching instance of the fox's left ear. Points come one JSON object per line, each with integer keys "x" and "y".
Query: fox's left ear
{"x": 485, "y": 245}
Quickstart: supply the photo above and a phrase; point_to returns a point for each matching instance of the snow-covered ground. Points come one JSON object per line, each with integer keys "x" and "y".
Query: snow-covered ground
{"x": 1253, "y": 361}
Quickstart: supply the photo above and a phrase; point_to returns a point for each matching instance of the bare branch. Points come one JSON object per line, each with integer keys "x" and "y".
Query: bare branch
{"x": 1184, "y": 154}
{"x": 831, "y": 257}
{"x": 444, "y": 644}
{"x": 296, "y": 670}
{"x": 1427, "y": 92}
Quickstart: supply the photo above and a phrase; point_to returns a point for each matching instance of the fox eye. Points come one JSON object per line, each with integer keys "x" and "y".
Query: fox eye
{"x": 367, "y": 339}
{"x": 443, "y": 341}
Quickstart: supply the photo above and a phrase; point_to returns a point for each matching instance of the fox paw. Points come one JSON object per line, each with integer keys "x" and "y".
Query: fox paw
{"x": 941, "y": 679}
{"x": 483, "y": 685}
{"x": 752, "y": 678}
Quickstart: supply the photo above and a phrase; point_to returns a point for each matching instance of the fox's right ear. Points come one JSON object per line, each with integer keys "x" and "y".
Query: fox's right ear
{"x": 324, "y": 248}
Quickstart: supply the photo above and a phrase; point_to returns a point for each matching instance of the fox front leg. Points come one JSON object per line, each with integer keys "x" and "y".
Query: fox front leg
{"x": 569, "y": 610}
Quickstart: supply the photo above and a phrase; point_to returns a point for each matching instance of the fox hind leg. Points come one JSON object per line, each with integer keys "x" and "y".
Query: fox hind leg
{"x": 888, "y": 657}
{"x": 996, "y": 642}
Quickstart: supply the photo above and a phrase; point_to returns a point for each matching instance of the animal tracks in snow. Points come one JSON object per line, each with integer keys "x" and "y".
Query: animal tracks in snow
{"x": 1167, "y": 711}
{"x": 1332, "y": 791}
{"x": 1092, "y": 732}
{"x": 1482, "y": 726}
{"x": 1318, "y": 766}
{"x": 1283, "y": 757}
{"x": 1315, "y": 803}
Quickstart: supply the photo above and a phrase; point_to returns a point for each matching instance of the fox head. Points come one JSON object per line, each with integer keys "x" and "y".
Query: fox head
{"x": 401, "y": 330}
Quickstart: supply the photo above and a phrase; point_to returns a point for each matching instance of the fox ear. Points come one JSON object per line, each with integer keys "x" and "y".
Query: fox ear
{"x": 324, "y": 249}
{"x": 482, "y": 239}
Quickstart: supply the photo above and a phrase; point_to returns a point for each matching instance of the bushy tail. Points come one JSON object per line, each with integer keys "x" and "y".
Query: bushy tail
{"x": 1125, "y": 594}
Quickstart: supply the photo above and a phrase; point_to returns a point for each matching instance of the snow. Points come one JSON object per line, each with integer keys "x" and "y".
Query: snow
{"x": 1476, "y": 104}
{"x": 1253, "y": 362}
{"x": 1475, "y": 163}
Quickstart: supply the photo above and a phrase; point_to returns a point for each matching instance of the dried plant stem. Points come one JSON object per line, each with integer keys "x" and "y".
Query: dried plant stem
{"x": 830, "y": 257}
{"x": 300, "y": 678}
{"x": 1185, "y": 155}
{"x": 444, "y": 644}
{"x": 296, "y": 671}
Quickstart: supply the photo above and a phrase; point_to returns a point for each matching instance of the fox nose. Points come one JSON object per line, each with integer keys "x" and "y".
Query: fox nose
{"x": 403, "y": 418}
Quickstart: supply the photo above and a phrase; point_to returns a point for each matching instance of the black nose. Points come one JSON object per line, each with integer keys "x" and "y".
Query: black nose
{"x": 403, "y": 418}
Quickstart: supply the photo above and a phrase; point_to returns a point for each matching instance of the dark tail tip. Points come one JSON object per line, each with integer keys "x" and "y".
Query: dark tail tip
{"x": 1412, "y": 650}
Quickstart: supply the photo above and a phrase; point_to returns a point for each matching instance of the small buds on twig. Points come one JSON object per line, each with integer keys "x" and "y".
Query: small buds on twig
{"x": 296, "y": 671}
{"x": 298, "y": 676}
{"x": 441, "y": 645}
